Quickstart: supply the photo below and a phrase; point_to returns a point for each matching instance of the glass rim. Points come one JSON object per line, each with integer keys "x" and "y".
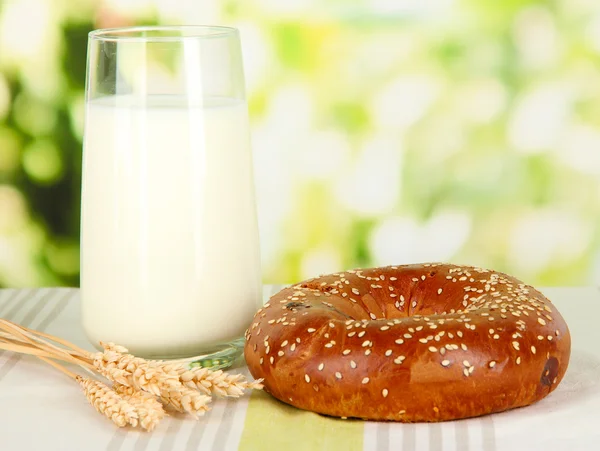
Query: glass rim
{"x": 172, "y": 33}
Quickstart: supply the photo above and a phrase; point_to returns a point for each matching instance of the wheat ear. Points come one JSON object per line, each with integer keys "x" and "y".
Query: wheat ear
{"x": 148, "y": 408}
{"x": 217, "y": 382}
{"x": 104, "y": 400}
{"x": 207, "y": 381}
{"x": 151, "y": 377}
{"x": 108, "y": 402}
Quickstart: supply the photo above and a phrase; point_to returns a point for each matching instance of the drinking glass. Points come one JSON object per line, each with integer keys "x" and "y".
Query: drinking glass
{"x": 170, "y": 264}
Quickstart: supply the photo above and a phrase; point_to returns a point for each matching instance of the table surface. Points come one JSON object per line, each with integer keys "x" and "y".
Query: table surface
{"x": 42, "y": 409}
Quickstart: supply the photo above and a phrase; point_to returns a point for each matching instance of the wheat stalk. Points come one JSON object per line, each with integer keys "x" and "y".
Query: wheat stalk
{"x": 104, "y": 400}
{"x": 137, "y": 383}
{"x": 149, "y": 376}
{"x": 208, "y": 381}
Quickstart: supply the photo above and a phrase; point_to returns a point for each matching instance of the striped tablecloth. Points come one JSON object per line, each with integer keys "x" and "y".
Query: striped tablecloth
{"x": 40, "y": 409}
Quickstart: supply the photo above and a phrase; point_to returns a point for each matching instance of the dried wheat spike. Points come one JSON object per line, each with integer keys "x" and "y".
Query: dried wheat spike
{"x": 184, "y": 399}
{"x": 150, "y": 376}
{"x": 150, "y": 411}
{"x": 135, "y": 372}
{"x": 217, "y": 382}
{"x": 208, "y": 381}
{"x": 110, "y": 346}
{"x": 108, "y": 402}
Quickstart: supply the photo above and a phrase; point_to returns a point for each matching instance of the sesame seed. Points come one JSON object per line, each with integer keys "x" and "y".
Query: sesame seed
{"x": 271, "y": 359}
{"x": 284, "y": 343}
{"x": 329, "y": 345}
{"x": 261, "y": 360}
{"x": 346, "y": 351}
{"x": 423, "y": 340}
{"x": 533, "y": 349}
{"x": 384, "y": 392}
{"x": 471, "y": 369}
{"x": 355, "y": 291}
{"x": 338, "y": 375}
{"x": 399, "y": 341}
{"x": 423, "y": 277}
{"x": 515, "y": 345}
{"x": 463, "y": 346}
{"x": 366, "y": 343}
{"x": 492, "y": 364}
{"x": 439, "y": 291}
{"x": 398, "y": 360}
{"x": 280, "y": 353}
{"x": 466, "y": 363}
{"x": 367, "y": 352}
{"x": 407, "y": 336}
{"x": 331, "y": 325}
{"x": 541, "y": 321}
{"x": 445, "y": 362}
{"x": 310, "y": 330}
{"x": 372, "y": 315}
{"x": 432, "y": 349}
{"x": 466, "y": 372}
{"x": 518, "y": 360}
{"x": 388, "y": 353}
{"x": 321, "y": 366}
{"x": 365, "y": 380}
{"x": 352, "y": 363}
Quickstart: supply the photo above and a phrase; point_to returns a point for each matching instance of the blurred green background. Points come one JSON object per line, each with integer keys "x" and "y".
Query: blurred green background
{"x": 383, "y": 132}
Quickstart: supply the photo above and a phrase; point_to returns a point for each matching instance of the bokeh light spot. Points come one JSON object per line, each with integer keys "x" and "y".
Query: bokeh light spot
{"x": 63, "y": 257}
{"x": 10, "y": 151}
{"x": 4, "y": 97}
{"x": 33, "y": 116}
{"x": 43, "y": 163}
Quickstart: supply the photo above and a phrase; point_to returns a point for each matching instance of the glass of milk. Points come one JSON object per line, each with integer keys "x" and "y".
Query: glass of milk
{"x": 170, "y": 264}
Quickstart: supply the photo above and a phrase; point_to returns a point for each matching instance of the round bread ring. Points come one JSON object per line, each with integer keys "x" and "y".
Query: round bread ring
{"x": 430, "y": 342}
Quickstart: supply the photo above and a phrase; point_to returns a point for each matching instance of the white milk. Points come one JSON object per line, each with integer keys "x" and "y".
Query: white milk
{"x": 170, "y": 257}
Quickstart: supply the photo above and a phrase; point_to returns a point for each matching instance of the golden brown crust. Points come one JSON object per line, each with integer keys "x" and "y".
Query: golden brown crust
{"x": 429, "y": 342}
